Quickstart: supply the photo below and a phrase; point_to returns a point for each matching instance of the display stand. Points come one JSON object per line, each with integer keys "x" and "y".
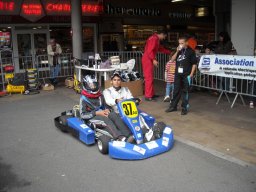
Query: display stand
{"x": 1, "y": 65}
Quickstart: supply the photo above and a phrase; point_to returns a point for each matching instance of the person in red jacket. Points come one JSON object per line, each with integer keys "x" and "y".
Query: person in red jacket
{"x": 149, "y": 61}
{"x": 192, "y": 42}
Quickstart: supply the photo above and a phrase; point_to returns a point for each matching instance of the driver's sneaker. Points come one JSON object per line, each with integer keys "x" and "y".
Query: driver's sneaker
{"x": 121, "y": 138}
{"x": 167, "y": 98}
{"x": 184, "y": 111}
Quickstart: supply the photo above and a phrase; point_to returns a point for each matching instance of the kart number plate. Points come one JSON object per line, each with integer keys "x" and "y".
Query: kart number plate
{"x": 129, "y": 109}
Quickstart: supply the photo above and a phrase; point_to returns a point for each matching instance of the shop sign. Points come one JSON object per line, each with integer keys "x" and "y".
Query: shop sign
{"x": 36, "y": 9}
{"x": 56, "y": 8}
{"x": 231, "y": 66}
{"x": 32, "y": 10}
{"x": 6, "y": 6}
{"x": 180, "y": 15}
{"x": 118, "y": 10}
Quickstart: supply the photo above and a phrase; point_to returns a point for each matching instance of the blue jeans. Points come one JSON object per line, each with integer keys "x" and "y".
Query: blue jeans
{"x": 169, "y": 88}
{"x": 55, "y": 70}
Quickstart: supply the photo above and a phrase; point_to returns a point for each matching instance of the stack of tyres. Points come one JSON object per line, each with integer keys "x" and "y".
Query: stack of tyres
{"x": 32, "y": 79}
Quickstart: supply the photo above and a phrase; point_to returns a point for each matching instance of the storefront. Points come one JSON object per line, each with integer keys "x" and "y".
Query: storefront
{"x": 113, "y": 25}
{"x": 127, "y": 25}
{"x": 27, "y": 26}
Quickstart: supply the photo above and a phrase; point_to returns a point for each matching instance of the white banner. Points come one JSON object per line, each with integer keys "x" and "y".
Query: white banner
{"x": 233, "y": 66}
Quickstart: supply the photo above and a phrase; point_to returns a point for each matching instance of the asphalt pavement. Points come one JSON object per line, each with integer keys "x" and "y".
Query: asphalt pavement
{"x": 37, "y": 157}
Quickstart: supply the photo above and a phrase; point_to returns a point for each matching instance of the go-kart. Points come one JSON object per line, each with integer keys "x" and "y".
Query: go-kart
{"x": 149, "y": 138}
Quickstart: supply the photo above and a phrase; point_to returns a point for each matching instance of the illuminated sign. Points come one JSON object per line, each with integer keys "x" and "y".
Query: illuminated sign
{"x": 7, "y": 5}
{"x": 86, "y": 8}
{"x": 65, "y": 7}
{"x": 59, "y": 7}
{"x": 32, "y": 9}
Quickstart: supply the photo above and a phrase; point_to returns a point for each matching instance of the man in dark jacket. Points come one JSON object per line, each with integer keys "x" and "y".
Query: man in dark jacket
{"x": 185, "y": 68}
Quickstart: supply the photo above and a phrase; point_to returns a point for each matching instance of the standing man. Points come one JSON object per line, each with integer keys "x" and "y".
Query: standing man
{"x": 54, "y": 50}
{"x": 185, "y": 68}
{"x": 149, "y": 61}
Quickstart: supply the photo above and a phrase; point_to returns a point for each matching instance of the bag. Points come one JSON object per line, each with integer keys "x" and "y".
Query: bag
{"x": 69, "y": 82}
{"x": 48, "y": 87}
{"x": 105, "y": 65}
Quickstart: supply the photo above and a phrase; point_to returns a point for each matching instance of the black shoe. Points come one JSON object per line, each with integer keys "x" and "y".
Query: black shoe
{"x": 155, "y": 96}
{"x": 150, "y": 99}
{"x": 171, "y": 109}
{"x": 184, "y": 111}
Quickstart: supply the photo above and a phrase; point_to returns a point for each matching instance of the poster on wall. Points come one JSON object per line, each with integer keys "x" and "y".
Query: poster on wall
{"x": 5, "y": 39}
{"x": 232, "y": 66}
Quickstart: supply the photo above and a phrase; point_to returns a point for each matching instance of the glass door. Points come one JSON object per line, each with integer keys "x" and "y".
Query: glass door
{"x": 31, "y": 49}
{"x": 24, "y": 42}
{"x": 40, "y": 49}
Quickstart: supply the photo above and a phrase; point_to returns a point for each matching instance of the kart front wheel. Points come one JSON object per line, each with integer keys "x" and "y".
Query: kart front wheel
{"x": 102, "y": 143}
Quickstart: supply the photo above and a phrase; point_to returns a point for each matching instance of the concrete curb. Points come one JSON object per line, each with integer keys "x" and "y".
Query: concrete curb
{"x": 216, "y": 153}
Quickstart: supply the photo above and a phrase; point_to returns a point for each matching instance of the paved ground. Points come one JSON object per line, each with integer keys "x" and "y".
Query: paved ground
{"x": 217, "y": 127}
{"x": 35, "y": 156}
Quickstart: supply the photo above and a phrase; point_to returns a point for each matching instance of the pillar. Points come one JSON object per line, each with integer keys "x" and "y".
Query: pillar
{"x": 243, "y": 26}
{"x": 76, "y": 26}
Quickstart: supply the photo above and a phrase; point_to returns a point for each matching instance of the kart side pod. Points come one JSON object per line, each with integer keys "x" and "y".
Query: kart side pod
{"x": 85, "y": 133}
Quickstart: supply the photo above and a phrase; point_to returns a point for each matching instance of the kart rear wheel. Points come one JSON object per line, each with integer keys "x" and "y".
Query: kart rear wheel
{"x": 102, "y": 144}
{"x": 64, "y": 121}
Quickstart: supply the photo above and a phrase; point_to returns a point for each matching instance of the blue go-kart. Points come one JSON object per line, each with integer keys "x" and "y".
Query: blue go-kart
{"x": 149, "y": 138}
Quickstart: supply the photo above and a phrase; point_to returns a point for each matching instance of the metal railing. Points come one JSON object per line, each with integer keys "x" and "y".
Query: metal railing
{"x": 40, "y": 62}
{"x": 223, "y": 85}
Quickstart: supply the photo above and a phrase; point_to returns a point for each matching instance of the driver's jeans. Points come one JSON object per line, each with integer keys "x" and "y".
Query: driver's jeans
{"x": 115, "y": 125}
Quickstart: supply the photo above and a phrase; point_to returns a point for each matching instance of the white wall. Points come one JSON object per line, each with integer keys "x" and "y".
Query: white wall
{"x": 243, "y": 26}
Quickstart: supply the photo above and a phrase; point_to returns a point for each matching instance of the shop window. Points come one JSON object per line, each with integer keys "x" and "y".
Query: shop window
{"x": 136, "y": 35}
{"x": 62, "y": 35}
{"x": 5, "y": 43}
{"x": 88, "y": 39}
{"x": 5, "y": 38}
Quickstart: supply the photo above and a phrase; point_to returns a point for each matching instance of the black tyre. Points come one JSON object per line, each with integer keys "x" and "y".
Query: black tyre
{"x": 63, "y": 120}
{"x": 102, "y": 144}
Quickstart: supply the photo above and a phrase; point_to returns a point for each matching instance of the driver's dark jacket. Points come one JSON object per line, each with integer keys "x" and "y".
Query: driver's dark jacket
{"x": 88, "y": 110}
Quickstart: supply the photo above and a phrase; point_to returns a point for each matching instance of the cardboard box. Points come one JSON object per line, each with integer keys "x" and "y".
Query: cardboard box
{"x": 136, "y": 87}
{"x": 48, "y": 87}
{"x": 69, "y": 82}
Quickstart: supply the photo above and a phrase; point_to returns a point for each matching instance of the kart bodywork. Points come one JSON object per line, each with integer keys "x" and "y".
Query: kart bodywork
{"x": 149, "y": 140}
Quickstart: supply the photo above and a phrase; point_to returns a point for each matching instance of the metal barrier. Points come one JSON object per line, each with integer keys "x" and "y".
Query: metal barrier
{"x": 137, "y": 55}
{"x": 223, "y": 85}
{"x": 66, "y": 66}
{"x": 40, "y": 62}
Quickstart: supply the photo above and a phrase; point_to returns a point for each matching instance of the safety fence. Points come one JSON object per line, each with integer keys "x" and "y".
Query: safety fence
{"x": 40, "y": 62}
{"x": 222, "y": 85}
